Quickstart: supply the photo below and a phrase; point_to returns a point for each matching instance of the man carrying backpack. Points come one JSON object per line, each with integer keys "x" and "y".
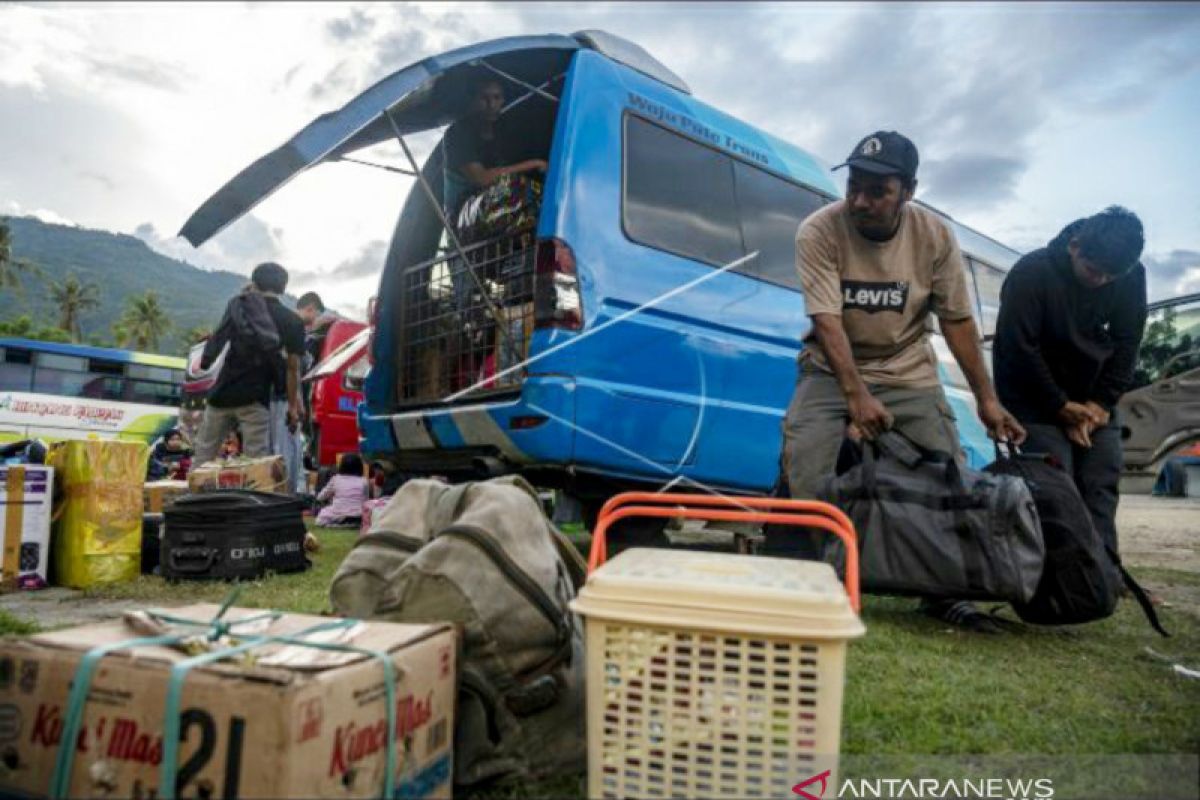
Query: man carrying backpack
{"x": 248, "y": 340}
{"x": 1071, "y": 320}
{"x": 874, "y": 266}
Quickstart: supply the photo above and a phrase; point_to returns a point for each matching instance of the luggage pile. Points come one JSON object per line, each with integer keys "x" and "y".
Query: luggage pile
{"x": 506, "y": 206}
{"x": 1017, "y": 532}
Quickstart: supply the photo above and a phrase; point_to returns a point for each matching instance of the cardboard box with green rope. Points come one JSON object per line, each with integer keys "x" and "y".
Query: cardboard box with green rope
{"x": 215, "y": 701}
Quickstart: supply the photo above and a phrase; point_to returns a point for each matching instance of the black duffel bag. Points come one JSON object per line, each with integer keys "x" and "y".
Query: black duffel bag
{"x": 233, "y": 534}
{"x": 929, "y": 527}
{"x": 1082, "y": 576}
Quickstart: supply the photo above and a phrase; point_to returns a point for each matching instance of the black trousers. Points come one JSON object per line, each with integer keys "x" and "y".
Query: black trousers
{"x": 1096, "y": 470}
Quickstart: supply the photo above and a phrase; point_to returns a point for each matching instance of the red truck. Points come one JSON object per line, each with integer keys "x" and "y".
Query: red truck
{"x": 335, "y": 390}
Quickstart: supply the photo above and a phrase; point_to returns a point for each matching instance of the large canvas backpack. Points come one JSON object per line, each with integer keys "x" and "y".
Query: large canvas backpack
{"x": 931, "y": 527}
{"x": 483, "y": 555}
{"x": 1082, "y": 575}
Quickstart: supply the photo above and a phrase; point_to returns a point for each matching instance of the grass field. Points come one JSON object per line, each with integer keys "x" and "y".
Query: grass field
{"x": 914, "y": 685}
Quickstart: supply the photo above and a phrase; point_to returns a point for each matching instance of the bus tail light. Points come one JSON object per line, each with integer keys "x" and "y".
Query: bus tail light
{"x": 557, "y": 303}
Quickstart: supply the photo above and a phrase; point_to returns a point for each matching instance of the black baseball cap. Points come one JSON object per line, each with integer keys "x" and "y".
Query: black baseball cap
{"x": 884, "y": 153}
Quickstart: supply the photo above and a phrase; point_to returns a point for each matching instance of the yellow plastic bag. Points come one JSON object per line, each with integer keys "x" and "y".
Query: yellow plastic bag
{"x": 98, "y": 537}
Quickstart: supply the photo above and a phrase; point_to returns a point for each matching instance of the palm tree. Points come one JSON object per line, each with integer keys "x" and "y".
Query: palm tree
{"x": 73, "y": 299}
{"x": 12, "y": 270}
{"x": 143, "y": 323}
{"x": 198, "y": 334}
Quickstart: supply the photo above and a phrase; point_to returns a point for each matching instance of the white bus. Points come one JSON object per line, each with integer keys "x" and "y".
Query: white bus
{"x": 59, "y": 391}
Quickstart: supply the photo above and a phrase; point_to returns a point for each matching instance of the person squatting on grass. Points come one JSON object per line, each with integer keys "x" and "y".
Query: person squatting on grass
{"x": 873, "y": 267}
{"x": 1071, "y": 320}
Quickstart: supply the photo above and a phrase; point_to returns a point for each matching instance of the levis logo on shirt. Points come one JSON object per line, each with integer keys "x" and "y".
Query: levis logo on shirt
{"x": 874, "y": 296}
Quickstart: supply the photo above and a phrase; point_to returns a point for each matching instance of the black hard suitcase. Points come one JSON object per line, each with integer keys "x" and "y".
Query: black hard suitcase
{"x": 151, "y": 543}
{"x": 233, "y": 534}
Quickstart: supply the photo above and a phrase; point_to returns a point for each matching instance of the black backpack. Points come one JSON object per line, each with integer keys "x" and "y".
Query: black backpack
{"x": 245, "y": 341}
{"x": 1082, "y": 575}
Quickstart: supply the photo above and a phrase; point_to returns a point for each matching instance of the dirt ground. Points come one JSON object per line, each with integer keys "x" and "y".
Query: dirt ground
{"x": 1162, "y": 533}
{"x": 1155, "y": 532}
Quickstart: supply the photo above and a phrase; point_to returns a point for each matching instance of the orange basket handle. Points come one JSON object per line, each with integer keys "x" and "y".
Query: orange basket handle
{"x": 810, "y": 514}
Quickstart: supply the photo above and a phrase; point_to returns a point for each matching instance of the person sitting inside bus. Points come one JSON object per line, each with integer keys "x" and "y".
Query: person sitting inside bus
{"x": 345, "y": 494}
{"x": 171, "y": 458}
{"x": 480, "y": 148}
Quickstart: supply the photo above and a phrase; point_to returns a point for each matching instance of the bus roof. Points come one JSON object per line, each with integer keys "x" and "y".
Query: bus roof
{"x": 87, "y": 351}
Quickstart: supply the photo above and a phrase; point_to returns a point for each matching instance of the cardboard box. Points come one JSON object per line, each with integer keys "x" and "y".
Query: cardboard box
{"x": 294, "y": 723}
{"x": 26, "y": 502}
{"x": 261, "y": 474}
{"x": 160, "y": 495}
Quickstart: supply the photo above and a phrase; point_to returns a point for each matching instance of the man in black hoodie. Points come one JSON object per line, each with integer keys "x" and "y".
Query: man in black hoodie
{"x": 1071, "y": 320}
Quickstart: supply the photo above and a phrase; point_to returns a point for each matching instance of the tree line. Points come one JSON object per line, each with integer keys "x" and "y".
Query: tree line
{"x": 142, "y": 325}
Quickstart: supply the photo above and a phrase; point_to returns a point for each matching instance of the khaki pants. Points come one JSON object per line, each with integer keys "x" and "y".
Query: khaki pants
{"x": 815, "y": 426}
{"x": 253, "y": 421}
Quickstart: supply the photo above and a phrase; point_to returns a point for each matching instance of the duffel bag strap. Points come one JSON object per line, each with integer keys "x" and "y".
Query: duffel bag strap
{"x": 899, "y": 447}
{"x": 1138, "y": 593}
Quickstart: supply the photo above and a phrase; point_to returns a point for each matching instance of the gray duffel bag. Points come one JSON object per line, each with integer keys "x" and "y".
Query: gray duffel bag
{"x": 930, "y": 527}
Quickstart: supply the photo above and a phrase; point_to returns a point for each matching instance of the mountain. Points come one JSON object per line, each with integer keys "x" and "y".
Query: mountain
{"x": 120, "y": 266}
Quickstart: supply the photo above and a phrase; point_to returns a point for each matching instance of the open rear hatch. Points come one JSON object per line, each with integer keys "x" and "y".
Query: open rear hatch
{"x": 455, "y": 311}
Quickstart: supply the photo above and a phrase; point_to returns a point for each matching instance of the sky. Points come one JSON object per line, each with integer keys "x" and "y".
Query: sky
{"x": 1027, "y": 115}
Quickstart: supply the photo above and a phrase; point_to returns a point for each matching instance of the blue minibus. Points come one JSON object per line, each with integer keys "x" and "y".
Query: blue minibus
{"x": 608, "y": 343}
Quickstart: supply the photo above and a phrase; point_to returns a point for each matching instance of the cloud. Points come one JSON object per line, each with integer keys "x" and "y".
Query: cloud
{"x": 375, "y": 41}
{"x": 103, "y": 180}
{"x": 351, "y": 27}
{"x": 958, "y": 81}
{"x": 1171, "y": 274}
{"x": 239, "y": 248}
{"x": 368, "y": 262}
{"x": 972, "y": 179}
{"x": 248, "y": 241}
{"x": 140, "y": 70}
{"x": 15, "y": 209}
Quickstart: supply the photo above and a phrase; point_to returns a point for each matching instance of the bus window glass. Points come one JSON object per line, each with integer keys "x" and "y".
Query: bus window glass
{"x": 65, "y": 383}
{"x": 143, "y": 372}
{"x": 15, "y": 377}
{"x": 988, "y": 281}
{"x": 153, "y": 393}
{"x": 771, "y": 210}
{"x": 16, "y": 370}
{"x": 59, "y": 362}
{"x": 679, "y": 195}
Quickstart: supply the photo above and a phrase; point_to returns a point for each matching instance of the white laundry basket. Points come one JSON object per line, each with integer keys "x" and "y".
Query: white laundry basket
{"x": 713, "y": 674}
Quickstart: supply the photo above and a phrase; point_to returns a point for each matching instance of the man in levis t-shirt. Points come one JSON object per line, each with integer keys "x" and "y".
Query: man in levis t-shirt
{"x": 874, "y": 266}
